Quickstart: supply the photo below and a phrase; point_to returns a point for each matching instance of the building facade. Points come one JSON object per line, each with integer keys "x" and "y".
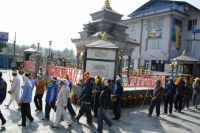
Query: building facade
{"x": 164, "y": 30}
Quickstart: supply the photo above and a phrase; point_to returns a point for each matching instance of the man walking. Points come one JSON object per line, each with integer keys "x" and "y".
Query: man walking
{"x": 85, "y": 99}
{"x": 170, "y": 92}
{"x": 118, "y": 92}
{"x": 69, "y": 104}
{"x": 51, "y": 97}
{"x": 25, "y": 100}
{"x": 62, "y": 104}
{"x": 40, "y": 87}
{"x": 15, "y": 90}
{"x": 157, "y": 99}
{"x": 3, "y": 91}
{"x": 102, "y": 103}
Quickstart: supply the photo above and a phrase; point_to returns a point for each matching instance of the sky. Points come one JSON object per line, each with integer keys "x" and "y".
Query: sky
{"x": 39, "y": 21}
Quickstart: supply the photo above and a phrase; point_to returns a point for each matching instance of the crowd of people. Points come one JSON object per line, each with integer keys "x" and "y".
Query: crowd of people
{"x": 178, "y": 93}
{"x": 94, "y": 97}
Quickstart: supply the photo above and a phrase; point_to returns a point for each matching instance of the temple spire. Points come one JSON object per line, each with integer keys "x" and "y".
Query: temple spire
{"x": 104, "y": 36}
{"x": 107, "y": 4}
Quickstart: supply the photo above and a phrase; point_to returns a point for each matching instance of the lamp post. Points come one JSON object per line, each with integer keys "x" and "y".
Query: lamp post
{"x": 49, "y": 57}
{"x": 37, "y": 63}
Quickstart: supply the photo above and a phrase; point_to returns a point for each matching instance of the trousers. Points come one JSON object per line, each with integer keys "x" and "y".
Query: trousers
{"x": 26, "y": 112}
{"x": 101, "y": 118}
{"x": 38, "y": 101}
{"x": 155, "y": 102}
{"x": 179, "y": 102}
{"x": 59, "y": 113}
{"x": 70, "y": 108}
{"x": 85, "y": 108}
{"x": 48, "y": 108}
{"x": 169, "y": 101}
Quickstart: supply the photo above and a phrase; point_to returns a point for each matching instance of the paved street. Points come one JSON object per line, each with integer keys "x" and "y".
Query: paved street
{"x": 134, "y": 120}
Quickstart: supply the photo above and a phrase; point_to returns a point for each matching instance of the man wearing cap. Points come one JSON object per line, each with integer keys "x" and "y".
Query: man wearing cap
{"x": 40, "y": 87}
{"x": 3, "y": 91}
{"x": 51, "y": 97}
{"x": 85, "y": 99}
{"x": 61, "y": 104}
{"x": 15, "y": 89}
{"x": 25, "y": 100}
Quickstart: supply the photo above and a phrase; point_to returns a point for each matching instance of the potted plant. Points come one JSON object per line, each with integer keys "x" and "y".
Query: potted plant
{"x": 74, "y": 97}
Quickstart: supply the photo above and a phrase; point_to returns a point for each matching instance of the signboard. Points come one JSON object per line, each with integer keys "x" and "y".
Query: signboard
{"x": 3, "y": 38}
{"x": 154, "y": 34}
{"x": 105, "y": 54}
{"x": 101, "y": 68}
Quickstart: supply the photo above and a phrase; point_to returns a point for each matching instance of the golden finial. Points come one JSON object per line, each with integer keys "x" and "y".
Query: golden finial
{"x": 107, "y": 4}
{"x": 184, "y": 53}
{"x": 104, "y": 36}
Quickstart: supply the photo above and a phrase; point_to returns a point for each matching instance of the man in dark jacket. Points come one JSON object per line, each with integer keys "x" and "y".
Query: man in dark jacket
{"x": 102, "y": 103}
{"x": 170, "y": 92}
{"x": 118, "y": 92}
{"x": 95, "y": 97}
{"x": 180, "y": 90}
{"x": 3, "y": 91}
{"x": 85, "y": 99}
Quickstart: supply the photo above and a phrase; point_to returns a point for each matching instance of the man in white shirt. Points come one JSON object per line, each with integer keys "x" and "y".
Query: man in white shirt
{"x": 14, "y": 90}
{"x": 62, "y": 104}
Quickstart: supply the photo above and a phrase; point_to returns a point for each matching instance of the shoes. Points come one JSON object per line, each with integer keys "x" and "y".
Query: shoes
{"x": 89, "y": 123}
{"x": 149, "y": 115}
{"x": 31, "y": 121}
{"x": 114, "y": 118}
{"x": 6, "y": 106}
{"x": 54, "y": 126}
{"x": 69, "y": 125}
{"x": 21, "y": 125}
{"x": 45, "y": 119}
{"x": 3, "y": 122}
{"x": 77, "y": 120}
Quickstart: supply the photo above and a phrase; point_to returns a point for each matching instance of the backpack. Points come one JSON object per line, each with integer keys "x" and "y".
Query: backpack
{"x": 3, "y": 90}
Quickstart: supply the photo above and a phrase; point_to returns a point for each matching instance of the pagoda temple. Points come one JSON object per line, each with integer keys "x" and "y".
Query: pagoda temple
{"x": 105, "y": 25}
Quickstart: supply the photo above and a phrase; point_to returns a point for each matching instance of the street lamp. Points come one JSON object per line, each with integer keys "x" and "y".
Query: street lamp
{"x": 49, "y": 57}
{"x": 37, "y": 60}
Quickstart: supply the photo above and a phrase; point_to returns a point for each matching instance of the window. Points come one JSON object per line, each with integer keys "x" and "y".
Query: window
{"x": 146, "y": 65}
{"x": 153, "y": 44}
{"x": 192, "y": 24}
{"x": 188, "y": 48}
{"x": 155, "y": 24}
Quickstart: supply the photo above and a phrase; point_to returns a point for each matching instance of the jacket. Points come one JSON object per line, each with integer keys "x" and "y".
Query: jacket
{"x": 3, "y": 90}
{"x": 63, "y": 96}
{"x": 196, "y": 87}
{"x": 86, "y": 92}
{"x": 27, "y": 90}
{"x": 180, "y": 88}
{"x": 118, "y": 91}
{"x": 40, "y": 86}
{"x": 103, "y": 97}
{"x": 170, "y": 89}
{"x": 52, "y": 92}
{"x": 158, "y": 92}
{"x": 16, "y": 86}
